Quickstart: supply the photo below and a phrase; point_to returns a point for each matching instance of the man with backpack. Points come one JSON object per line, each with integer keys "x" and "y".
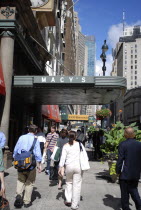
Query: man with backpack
{"x": 26, "y": 153}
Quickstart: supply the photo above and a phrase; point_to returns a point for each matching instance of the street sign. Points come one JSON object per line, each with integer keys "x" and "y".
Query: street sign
{"x": 78, "y": 117}
{"x": 91, "y": 118}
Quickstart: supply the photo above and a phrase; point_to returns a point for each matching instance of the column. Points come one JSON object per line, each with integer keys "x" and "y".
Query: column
{"x": 7, "y": 53}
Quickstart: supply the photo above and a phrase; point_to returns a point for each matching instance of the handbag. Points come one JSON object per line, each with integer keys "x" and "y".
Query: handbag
{"x": 44, "y": 157}
{"x": 56, "y": 154}
{"x": 84, "y": 161}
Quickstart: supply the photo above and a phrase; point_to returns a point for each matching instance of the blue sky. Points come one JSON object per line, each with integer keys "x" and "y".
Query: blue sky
{"x": 97, "y": 17}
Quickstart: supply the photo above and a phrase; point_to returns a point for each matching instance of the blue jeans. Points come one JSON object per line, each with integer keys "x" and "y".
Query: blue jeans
{"x": 49, "y": 153}
{"x": 127, "y": 188}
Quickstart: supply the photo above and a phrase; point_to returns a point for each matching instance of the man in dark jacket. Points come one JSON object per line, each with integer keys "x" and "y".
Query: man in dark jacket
{"x": 129, "y": 169}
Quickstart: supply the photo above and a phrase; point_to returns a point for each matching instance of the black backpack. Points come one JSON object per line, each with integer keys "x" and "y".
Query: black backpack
{"x": 25, "y": 160}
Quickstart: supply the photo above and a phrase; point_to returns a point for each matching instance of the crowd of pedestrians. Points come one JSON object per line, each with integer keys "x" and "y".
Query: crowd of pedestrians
{"x": 73, "y": 161}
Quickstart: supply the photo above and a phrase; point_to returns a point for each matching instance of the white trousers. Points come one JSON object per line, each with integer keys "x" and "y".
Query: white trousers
{"x": 73, "y": 184}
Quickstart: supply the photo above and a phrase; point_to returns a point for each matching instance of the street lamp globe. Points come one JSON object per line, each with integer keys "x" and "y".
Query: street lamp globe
{"x": 104, "y": 47}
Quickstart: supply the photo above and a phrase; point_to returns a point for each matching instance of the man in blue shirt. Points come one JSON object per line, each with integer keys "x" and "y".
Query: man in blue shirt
{"x": 2, "y": 140}
{"x": 26, "y": 178}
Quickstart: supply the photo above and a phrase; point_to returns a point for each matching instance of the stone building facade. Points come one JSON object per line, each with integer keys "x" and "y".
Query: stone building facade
{"x": 127, "y": 57}
{"x": 69, "y": 41}
{"x": 23, "y": 51}
{"x": 132, "y": 104}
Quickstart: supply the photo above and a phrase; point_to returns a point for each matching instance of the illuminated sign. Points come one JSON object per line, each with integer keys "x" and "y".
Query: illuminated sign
{"x": 78, "y": 117}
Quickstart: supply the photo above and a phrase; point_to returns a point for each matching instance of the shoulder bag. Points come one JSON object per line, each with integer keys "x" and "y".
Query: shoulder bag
{"x": 84, "y": 162}
{"x": 26, "y": 159}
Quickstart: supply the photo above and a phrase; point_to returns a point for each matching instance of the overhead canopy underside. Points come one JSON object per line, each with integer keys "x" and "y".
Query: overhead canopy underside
{"x": 68, "y": 90}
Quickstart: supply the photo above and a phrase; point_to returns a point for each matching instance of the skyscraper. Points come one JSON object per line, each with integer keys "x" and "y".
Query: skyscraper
{"x": 127, "y": 57}
{"x": 91, "y": 55}
{"x": 80, "y": 47}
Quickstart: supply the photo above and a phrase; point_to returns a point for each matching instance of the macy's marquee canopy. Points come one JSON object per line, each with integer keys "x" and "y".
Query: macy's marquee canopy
{"x": 69, "y": 89}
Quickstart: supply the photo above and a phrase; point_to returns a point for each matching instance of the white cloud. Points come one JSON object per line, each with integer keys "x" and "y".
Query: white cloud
{"x": 115, "y": 31}
{"x": 99, "y": 65}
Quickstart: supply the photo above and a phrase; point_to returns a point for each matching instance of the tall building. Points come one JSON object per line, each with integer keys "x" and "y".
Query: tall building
{"x": 54, "y": 38}
{"x": 91, "y": 54}
{"x": 127, "y": 63}
{"x": 80, "y": 47}
{"x": 127, "y": 57}
{"x": 85, "y": 61}
{"x": 69, "y": 41}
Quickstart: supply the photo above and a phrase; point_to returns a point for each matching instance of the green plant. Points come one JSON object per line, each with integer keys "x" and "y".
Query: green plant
{"x": 91, "y": 129}
{"x": 138, "y": 135}
{"x": 102, "y": 113}
{"x": 114, "y": 137}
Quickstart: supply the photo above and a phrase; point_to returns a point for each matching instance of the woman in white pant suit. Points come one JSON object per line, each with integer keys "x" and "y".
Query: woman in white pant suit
{"x": 70, "y": 158}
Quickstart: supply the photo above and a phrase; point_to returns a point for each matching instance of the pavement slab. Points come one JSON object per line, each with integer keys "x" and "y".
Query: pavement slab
{"x": 98, "y": 191}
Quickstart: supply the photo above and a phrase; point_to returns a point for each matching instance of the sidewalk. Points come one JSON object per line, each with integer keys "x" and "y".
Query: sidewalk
{"x": 98, "y": 193}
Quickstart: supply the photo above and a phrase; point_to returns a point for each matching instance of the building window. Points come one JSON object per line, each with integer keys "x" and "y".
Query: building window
{"x": 135, "y": 56}
{"x": 135, "y": 77}
{"x": 135, "y": 83}
{"x": 131, "y": 83}
{"x": 125, "y": 62}
{"x": 125, "y": 56}
{"x": 131, "y": 77}
{"x": 135, "y": 61}
{"x": 135, "y": 50}
{"x": 135, "y": 72}
{"x": 131, "y": 61}
{"x": 131, "y": 67}
{"x": 131, "y": 56}
{"x": 135, "y": 46}
{"x": 135, "y": 66}
{"x": 131, "y": 51}
{"x": 125, "y": 51}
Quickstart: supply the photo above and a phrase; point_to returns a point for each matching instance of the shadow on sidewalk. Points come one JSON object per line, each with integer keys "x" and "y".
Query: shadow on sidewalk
{"x": 35, "y": 195}
{"x": 104, "y": 175}
{"x": 61, "y": 195}
{"x": 112, "y": 202}
{"x": 53, "y": 183}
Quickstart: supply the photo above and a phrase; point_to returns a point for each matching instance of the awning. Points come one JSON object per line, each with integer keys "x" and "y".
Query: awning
{"x": 72, "y": 90}
{"x": 2, "y": 84}
{"x": 51, "y": 112}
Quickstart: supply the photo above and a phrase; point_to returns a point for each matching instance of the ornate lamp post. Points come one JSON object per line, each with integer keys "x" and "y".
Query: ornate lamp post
{"x": 103, "y": 56}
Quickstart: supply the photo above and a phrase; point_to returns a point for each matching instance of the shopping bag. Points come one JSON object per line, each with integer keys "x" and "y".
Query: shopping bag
{"x": 56, "y": 154}
{"x": 84, "y": 161}
{"x": 44, "y": 157}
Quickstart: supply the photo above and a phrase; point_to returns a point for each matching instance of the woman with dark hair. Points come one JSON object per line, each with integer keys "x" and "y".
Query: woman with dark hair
{"x": 70, "y": 158}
